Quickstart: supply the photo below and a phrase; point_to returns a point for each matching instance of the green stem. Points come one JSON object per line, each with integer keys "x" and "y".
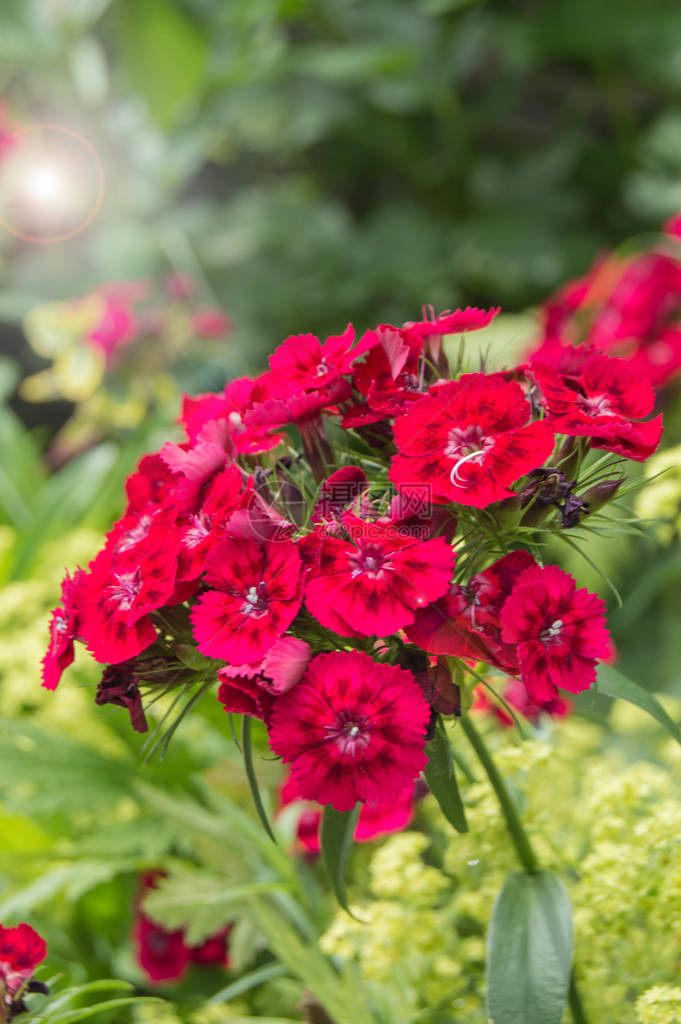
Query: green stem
{"x": 518, "y": 834}
{"x": 521, "y": 840}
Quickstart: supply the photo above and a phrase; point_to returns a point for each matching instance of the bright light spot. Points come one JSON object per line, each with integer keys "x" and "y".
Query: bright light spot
{"x": 51, "y": 184}
{"x": 45, "y": 185}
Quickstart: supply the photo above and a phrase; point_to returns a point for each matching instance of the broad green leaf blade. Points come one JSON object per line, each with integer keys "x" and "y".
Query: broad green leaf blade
{"x": 247, "y": 748}
{"x": 338, "y": 829}
{"x": 441, "y": 779}
{"x": 529, "y": 950}
{"x": 614, "y": 684}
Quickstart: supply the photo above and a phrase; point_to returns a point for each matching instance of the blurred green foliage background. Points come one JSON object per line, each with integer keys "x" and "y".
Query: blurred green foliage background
{"x": 321, "y": 160}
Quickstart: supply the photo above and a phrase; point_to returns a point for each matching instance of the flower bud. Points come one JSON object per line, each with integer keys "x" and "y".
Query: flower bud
{"x": 601, "y": 493}
{"x": 507, "y": 513}
{"x": 567, "y": 457}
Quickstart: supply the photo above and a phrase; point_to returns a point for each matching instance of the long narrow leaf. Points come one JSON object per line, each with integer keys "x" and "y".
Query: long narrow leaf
{"x": 441, "y": 779}
{"x": 338, "y": 829}
{"x": 614, "y": 684}
{"x": 247, "y": 748}
{"x": 248, "y": 981}
{"x": 71, "y": 1016}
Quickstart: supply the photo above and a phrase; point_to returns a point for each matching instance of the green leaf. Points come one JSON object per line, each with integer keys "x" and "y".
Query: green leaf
{"x": 246, "y": 982}
{"x": 529, "y": 950}
{"x": 200, "y": 902}
{"x": 247, "y": 749}
{"x": 338, "y": 829}
{"x": 164, "y": 52}
{"x": 441, "y": 779}
{"x": 71, "y": 1016}
{"x": 72, "y": 880}
{"x": 614, "y": 684}
{"x": 61, "y": 999}
{"x": 339, "y": 992}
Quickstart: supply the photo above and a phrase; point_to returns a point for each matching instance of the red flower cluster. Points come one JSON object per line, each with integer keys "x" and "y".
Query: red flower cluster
{"x": 625, "y": 306}
{"x": 21, "y": 950}
{"x": 325, "y": 592}
{"x": 165, "y": 956}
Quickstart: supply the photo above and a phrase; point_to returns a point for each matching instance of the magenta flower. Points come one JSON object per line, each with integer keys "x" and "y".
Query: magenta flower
{"x": 121, "y": 590}
{"x": 255, "y": 591}
{"x": 203, "y": 529}
{"x": 21, "y": 950}
{"x": 304, "y": 363}
{"x": 372, "y": 580}
{"x": 211, "y": 322}
{"x": 468, "y": 440}
{"x": 230, "y": 409}
{"x": 468, "y": 319}
{"x": 374, "y": 820}
{"x": 559, "y": 632}
{"x": 64, "y": 626}
{"x": 603, "y": 403}
{"x": 252, "y": 689}
{"x": 465, "y": 622}
{"x": 352, "y": 730}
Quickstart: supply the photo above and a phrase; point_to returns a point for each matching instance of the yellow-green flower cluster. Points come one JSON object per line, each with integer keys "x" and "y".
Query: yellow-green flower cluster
{"x": 611, "y": 829}
{"x": 25, "y": 607}
{"x": 659, "y": 1005}
{"x": 397, "y": 938}
{"x": 660, "y": 499}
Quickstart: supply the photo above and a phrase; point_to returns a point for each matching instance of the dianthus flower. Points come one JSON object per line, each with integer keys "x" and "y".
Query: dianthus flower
{"x": 21, "y": 950}
{"x": 302, "y": 362}
{"x": 255, "y": 591}
{"x": 117, "y": 325}
{"x": 371, "y": 580}
{"x": 256, "y": 519}
{"x": 231, "y": 409}
{"x": 122, "y": 588}
{"x": 202, "y": 529}
{"x": 339, "y": 492}
{"x": 465, "y": 622}
{"x": 468, "y": 319}
{"x": 299, "y": 408}
{"x": 252, "y": 689}
{"x": 628, "y": 308}
{"x": 374, "y": 819}
{"x": 64, "y": 626}
{"x": 150, "y": 485}
{"x": 559, "y": 632}
{"x": 352, "y": 730}
{"x": 516, "y": 698}
{"x": 211, "y": 322}
{"x": 603, "y": 403}
{"x": 469, "y": 440}
{"x": 390, "y": 378}
{"x": 165, "y": 955}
